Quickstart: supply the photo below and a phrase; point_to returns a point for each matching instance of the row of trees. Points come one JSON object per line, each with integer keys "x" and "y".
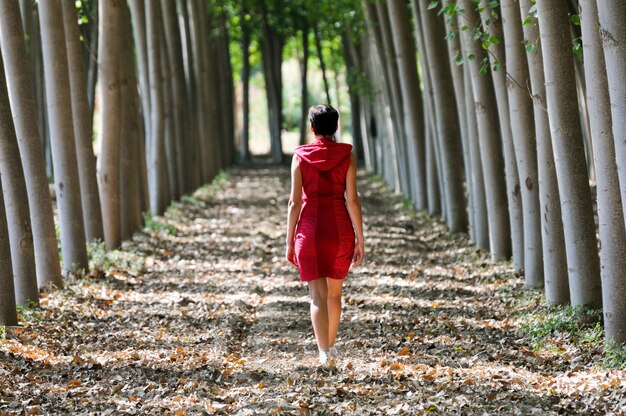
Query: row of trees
{"x": 166, "y": 127}
{"x": 519, "y": 107}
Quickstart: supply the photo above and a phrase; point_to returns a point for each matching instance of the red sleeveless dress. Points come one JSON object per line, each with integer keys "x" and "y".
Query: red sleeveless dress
{"x": 324, "y": 239}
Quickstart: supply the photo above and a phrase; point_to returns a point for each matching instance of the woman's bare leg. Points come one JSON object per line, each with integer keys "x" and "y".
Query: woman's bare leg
{"x": 334, "y": 287}
{"x": 319, "y": 312}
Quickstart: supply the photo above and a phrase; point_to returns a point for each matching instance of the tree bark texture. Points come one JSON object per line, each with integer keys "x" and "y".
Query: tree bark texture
{"x": 612, "y": 15}
{"x": 569, "y": 155}
{"x": 448, "y": 130}
{"x": 490, "y": 146}
{"x": 8, "y": 312}
{"x": 23, "y": 106}
{"x": 111, "y": 101}
{"x": 523, "y": 132}
{"x": 411, "y": 95}
{"x": 610, "y": 215}
{"x": 83, "y": 127}
{"x": 304, "y": 91}
{"x": 20, "y": 237}
{"x": 553, "y": 244}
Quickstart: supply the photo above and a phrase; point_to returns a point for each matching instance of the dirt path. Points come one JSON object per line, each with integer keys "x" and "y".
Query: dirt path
{"x": 201, "y": 314}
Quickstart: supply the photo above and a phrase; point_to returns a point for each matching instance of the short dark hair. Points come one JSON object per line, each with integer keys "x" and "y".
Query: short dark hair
{"x": 324, "y": 119}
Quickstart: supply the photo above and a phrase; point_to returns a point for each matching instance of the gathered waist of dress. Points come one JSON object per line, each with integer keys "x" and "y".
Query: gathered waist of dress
{"x": 324, "y": 200}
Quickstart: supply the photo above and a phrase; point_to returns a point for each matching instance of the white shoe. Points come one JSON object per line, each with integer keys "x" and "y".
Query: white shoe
{"x": 324, "y": 357}
{"x": 333, "y": 353}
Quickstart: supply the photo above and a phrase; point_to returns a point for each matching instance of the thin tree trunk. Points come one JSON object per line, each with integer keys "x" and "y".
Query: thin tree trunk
{"x": 157, "y": 170}
{"x": 110, "y": 123}
{"x": 15, "y": 207}
{"x": 245, "y": 81}
{"x": 610, "y": 214}
{"x": 304, "y": 92}
{"x": 23, "y": 107}
{"x": 272, "y": 51}
{"x": 490, "y": 147}
{"x": 390, "y": 160}
{"x": 320, "y": 56}
{"x": 68, "y": 195}
{"x": 569, "y": 155}
{"x": 478, "y": 194}
{"x": 171, "y": 149}
{"x": 130, "y": 137}
{"x": 523, "y": 131}
{"x": 496, "y": 54}
{"x": 8, "y": 312}
{"x": 399, "y": 138}
{"x": 448, "y": 130}
{"x": 138, "y": 15}
{"x": 613, "y": 32}
{"x": 411, "y": 95}
{"x": 83, "y": 127}
{"x": 458, "y": 83}
{"x": 92, "y": 61}
{"x": 176, "y": 66}
{"x": 553, "y": 243}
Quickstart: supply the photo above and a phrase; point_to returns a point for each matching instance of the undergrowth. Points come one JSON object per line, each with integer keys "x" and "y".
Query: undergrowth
{"x": 102, "y": 259}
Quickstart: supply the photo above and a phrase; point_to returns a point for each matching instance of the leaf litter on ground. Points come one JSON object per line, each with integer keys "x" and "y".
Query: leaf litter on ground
{"x": 200, "y": 314}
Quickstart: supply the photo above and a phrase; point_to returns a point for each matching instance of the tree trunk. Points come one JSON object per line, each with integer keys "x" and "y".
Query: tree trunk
{"x": 31, "y": 151}
{"x": 478, "y": 194}
{"x": 490, "y": 148}
{"x": 553, "y": 243}
{"x": 138, "y": 15}
{"x": 110, "y": 47}
{"x": 59, "y": 100}
{"x": 92, "y": 60}
{"x": 495, "y": 55}
{"x": 8, "y": 312}
{"x": 448, "y": 130}
{"x": 458, "y": 83}
{"x": 157, "y": 169}
{"x": 130, "y": 137}
{"x": 15, "y": 207}
{"x": 411, "y": 95}
{"x": 272, "y": 57}
{"x": 176, "y": 67}
{"x": 83, "y": 127}
{"x": 304, "y": 92}
{"x": 569, "y": 155}
{"x": 245, "y": 81}
{"x": 399, "y": 137}
{"x": 169, "y": 133}
{"x": 320, "y": 55}
{"x": 523, "y": 131}
{"x": 613, "y": 32}
{"x": 390, "y": 160}
{"x": 610, "y": 214}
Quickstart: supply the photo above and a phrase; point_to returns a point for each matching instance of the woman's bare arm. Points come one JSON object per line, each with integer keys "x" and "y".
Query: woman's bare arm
{"x": 353, "y": 203}
{"x": 294, "y": 207}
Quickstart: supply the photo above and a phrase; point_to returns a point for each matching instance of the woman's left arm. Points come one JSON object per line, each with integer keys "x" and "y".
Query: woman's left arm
{"x": 294, "y": 207}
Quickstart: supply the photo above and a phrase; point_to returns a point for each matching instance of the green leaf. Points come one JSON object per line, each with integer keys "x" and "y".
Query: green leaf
{"x": 471, "y": 56}
{"x": 494, "y": 4}
{"x": 433, "y": 4}
{"x": 451, "y": 36}
{"x": 527, "y": 21}
{"x": 575, "y": 19}
{"x": 496, "y": 66}
{"x": 533, "y": 10}
{"x": 458, "y": 59}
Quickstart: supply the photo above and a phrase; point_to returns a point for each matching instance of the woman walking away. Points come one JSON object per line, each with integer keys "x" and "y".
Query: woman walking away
{"x": 323, "y": 220}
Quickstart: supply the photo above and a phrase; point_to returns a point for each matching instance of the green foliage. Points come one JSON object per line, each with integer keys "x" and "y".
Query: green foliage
{"x": 615, "y": 356}
{"x": 580, "y": 325}
{"x": 157, "y": 224}
{"x": 28, "y": 312}
{"x": 3, "y": 332}
{"x": 102, "y": 259}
